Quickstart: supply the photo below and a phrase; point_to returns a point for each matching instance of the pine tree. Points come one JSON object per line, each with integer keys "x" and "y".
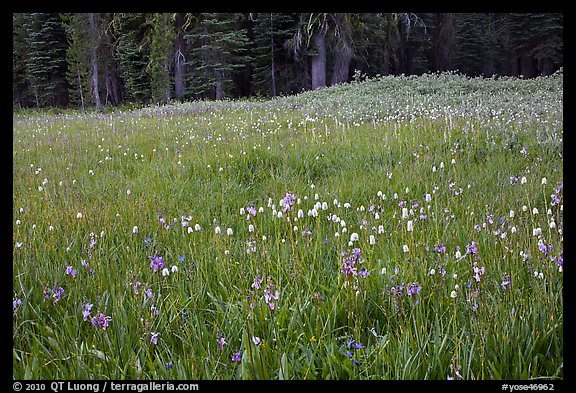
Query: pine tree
{"x": 132, "y": 51}
{"x": 46, "y": 62}
{"x": 220, "y": 46}
{"x": 161, "y": 56}
{"x": 77, "y": 57}
{"x": 21, "y": 91}
{"x": 271, "y": 65}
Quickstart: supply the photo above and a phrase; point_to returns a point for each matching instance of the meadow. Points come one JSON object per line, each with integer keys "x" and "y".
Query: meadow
{"x": 400, "y": 227}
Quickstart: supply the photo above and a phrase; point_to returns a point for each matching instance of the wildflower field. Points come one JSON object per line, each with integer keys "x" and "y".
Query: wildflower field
{"x": 391, "y": 228}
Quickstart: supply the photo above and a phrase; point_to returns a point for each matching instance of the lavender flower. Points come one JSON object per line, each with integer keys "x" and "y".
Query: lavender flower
{"x": 257, "y": 281}
{"x": 86, "y": 310}
{"x": 471, "y": 248}
{"x": 101, "y": 320}
{"x": 157, "y": 263}
{"x": 220, "y": 340}
{"x": 256, "y": 340}
{"x": 70, "y": 270}
{"x": 154, "y": 337}
{"x": 413, "y": 288}
{"x": 237, "y": 356}
{"x": 287, "y": 202}
{"x": 16, "y": 305}
{"x": 506, "y": 281}
{"x": 57, "y": 294}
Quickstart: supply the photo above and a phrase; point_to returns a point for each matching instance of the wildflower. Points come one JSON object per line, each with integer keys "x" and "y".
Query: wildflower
{"x": 135, "y": 229}
{"x": 157, "y": 263}
{"x": 154, "y": 337}
{"x": 288, "y": 201}
{"x": 170, "y": 364}
{"x": 86, "y": 310}
{"x": 354, "y": 237}
{"x": 250, "y": 228}
{"x": 511, "y": 213}
{"x": 165, "y": 272}
{"x": 535, "y": 211}
{"x": 440, "y": 248}
{"x": 197, "y": 227}
{"x": 544, "y": 181}
{"x": 478, "y": 272}
{"x": 523, "y": 180}
{"x": 251, "y": 209}
{"x": 256, "y": 340}
{"x": 409, "y": 226}
{"x": 405, "y": 248}
{"x": 229, "y": 232}
{"x": 220, "y": 340}
{"x": 428, "y": 197}
{"x": 79, "y": 215}
{"x": 70, "y": 270}
{"x": 101, "y": 320}
{"x": 174, "y": 268}
{"x": 506, "y": 281}
{"x": 57, "y": 294}
{"x": 471, "y": 248}
{"x": 453, "y": 294}
{"x": 555, "y": 199}
{"x": 404, "y": 213}
{"x": 413, "y": 288}
{"x": 372, "y": 240}
{"x": 237, "y": 356}
{"x": 257, "y": 281}
{"x": 217, "y": 230}
{"x": 16, "y": 305}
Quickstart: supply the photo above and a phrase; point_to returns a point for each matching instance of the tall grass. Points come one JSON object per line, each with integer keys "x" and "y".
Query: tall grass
{"x": 417, "y": 177}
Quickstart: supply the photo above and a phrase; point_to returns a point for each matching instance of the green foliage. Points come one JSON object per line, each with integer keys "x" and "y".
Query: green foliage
{"x": 160, "y": 66}
{"x": 220, "y": 50}
{"x": 170, "y": 180}
{"x": 133, "y": 52}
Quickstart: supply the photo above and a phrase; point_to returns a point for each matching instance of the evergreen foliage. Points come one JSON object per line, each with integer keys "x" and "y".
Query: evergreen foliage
{"x": 105, "y": 59}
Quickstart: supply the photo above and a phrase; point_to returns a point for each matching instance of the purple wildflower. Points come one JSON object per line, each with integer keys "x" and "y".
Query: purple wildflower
{"x": 471, "y": 248}
{"x": 440, "y": 248}
{"x": 57, "y": 294}
{"x": 478, "y": 272}
{"x": 220, "y": 340}
{"x": 506, "y": 281}
{"x": 251, "y": 209}
{"x": 157, "y": 263}
{"x": 170, "y": 364}
{"x": 101, "y": 320}
{"x": 555, "y": 199}
{"x": 513, "y": 180}
{"x": 257, "y": 281}
{"x": 16, "y": 305}
{"x": 237, "y": 356}
{"x": 86, "y": 310}
{"x": 154, "y": 337}
{"x": 542, "y": 247}
{"x": 287, "y": 202}
{"x": 135, "y": 286}
{"x": 413, "y": 288}
{"x": 256, "y": 340}
{"x": 70, "y": 270}
{"x": 561, "y": 260}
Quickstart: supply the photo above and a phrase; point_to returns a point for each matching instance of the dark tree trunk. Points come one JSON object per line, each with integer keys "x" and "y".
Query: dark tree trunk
{"x": 341, "y": 67}
{"x": 545, "y": 66}
{"x": 527, "y": 66}
{"x": 319, "y": 60}
{"x": 94, "y": 59}
{"x": 179, "y": 59}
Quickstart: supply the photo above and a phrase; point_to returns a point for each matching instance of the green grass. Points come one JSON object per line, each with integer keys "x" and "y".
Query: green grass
{"x": 355, "y": 153}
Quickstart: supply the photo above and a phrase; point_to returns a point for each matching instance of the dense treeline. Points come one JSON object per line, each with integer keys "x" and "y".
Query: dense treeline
{"x": 108, "y": 59}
